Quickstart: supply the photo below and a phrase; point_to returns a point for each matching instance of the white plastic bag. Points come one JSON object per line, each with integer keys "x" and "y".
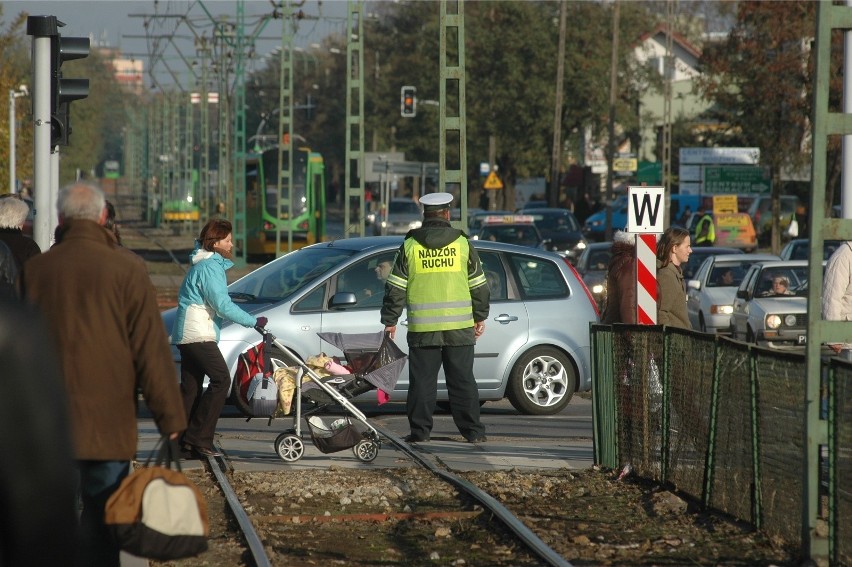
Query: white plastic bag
{"x": 793, "y": 228}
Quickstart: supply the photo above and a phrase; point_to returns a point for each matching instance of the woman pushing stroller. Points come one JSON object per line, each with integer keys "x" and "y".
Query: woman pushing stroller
{"x": 203, "y": 303}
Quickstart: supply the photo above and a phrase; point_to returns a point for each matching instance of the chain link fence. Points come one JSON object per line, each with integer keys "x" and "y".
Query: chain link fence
{"x": 723, "y": 422}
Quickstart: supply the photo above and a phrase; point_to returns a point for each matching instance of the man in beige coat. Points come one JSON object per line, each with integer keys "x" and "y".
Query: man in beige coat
{"x": 102, "y": 312}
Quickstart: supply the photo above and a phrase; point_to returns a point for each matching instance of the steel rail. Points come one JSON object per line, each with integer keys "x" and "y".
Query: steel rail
{"x": 255, "y": 545}
{"x": 535, "y": 544}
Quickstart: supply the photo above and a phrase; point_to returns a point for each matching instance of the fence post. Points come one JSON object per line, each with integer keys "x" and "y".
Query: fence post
{"x": 604, "y": 407}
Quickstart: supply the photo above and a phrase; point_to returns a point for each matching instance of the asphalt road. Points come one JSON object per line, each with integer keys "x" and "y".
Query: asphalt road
{"x": 514, "y": 440}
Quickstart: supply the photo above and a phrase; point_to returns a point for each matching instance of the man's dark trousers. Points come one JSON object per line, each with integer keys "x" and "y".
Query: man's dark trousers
{"x": 423, "y": 366}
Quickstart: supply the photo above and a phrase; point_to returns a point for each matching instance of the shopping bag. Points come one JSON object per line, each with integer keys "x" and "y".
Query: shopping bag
{"x": 793, "y": 228}
{"x": 157, "y": 512}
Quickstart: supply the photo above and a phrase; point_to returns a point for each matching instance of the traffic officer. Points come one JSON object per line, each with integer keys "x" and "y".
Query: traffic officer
{"x": 438, "y": 277}
{"x": 705, "y": 230}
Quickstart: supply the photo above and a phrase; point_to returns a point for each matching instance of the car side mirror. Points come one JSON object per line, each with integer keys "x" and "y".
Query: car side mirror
{"x": 742, "y": 293}
{"x": 693, "y": 284}
{"x": 342, "y": 299}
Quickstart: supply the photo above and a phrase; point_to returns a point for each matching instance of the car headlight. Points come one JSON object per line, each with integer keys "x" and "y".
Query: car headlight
{"x": 721, "y": 309}
{"x": 581, "y": 245}
{"x": 415, "y": 224}
{"x": 597, "y": 289}
{"x": 790, "y": 320}
{"x": 773, "y": 321}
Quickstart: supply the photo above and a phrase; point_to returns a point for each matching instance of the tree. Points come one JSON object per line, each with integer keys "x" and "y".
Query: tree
{"x": 760, "y": 81}
{"x": 14, "y": 72}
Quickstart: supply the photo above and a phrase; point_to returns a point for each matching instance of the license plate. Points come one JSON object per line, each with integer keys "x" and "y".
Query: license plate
{"x": 802, "y": 339}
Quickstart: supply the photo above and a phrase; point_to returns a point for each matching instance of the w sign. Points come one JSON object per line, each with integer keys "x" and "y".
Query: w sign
{"x": 645, "y": 209}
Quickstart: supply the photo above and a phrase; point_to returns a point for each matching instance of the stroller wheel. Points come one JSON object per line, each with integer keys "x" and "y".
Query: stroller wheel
{"x": 366, "y": 450}
{"x": 289, "y": 447}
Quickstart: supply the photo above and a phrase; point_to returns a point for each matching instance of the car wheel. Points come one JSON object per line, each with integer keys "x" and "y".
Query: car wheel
{"x": 701, "y": 325}
{"x": 542, "y": 382}
{"x": 750, "y": 336}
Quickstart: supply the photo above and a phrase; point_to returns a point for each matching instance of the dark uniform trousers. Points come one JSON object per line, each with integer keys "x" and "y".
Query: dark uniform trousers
{"x": 423, "y": 366}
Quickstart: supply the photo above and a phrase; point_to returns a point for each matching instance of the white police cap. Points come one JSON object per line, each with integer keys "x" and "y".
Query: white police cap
{"x": 436, "y": 201}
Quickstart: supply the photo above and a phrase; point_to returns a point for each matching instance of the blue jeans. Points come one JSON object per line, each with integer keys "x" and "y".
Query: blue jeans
{"x": 98, "y": 480}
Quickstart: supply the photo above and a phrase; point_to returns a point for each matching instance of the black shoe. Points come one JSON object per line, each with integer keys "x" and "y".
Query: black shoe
{"x": 476, "y": 439}
{"x": 411, "y": 438}
{"x": 206, "y": 452}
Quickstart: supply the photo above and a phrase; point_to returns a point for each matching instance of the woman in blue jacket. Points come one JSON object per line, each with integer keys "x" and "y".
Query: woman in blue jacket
{"x": 203, "y": 303}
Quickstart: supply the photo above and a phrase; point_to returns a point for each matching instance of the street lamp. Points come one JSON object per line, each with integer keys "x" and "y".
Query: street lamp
{"x": 13, "y": 94}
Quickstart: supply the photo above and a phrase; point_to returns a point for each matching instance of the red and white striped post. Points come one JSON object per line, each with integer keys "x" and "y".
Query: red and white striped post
{"x": 645, "y": 211}
{"x": 646, "y": 279}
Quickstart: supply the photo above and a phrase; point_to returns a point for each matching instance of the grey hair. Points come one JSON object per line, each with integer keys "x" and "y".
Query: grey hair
{"x": 81, "y": 201}
{"x": 13, "y": 212}
{"x": 624, "y": 237}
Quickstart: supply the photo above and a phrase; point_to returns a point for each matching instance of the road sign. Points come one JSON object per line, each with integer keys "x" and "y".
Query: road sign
{"x": 646, "y": 279}
{"x": 625, "y": 164}
{"x": 700, "y": 156}
{"x": 493, "y": 182}
{"x": 724, "y": 204}
{"x": 736, "y": 179}
{"x": 645, "y": 207}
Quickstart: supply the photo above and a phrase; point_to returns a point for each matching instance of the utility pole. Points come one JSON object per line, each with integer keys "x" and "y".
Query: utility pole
{"x": 613, "y": 84}
{"x": 453, "y": 120}
{"x": 667, "y": 112}
{"x": 556, "y": 159}
{"x": 354, "y": 122}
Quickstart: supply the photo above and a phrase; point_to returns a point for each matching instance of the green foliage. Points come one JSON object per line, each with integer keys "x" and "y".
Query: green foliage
{"x": 97, "y": 121}
{"x": 14, "y": 71}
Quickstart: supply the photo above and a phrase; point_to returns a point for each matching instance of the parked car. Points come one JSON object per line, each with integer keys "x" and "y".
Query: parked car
{"x": 799, "y": 249}
{"x": 477, "y": 218}
{"x": 592, "y": 266}
{"x": 527, "y": 354}
{"x": 761, "y": 316}
{"x": 561, "y": 229}
{"x": 732, "y": 230}
{"x": 710, "y": 294}
{"x": 701, "y": 253}
{"x": 403, "y": 215}
{"x": 512, "y": 229}
{"x": 760, "y": 212}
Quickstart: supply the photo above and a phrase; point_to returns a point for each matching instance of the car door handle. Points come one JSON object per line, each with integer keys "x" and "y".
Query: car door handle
{"x": 504, "y": 319}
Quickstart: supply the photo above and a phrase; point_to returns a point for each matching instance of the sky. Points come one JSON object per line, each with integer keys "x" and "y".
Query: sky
{"x": 119, "y": 23}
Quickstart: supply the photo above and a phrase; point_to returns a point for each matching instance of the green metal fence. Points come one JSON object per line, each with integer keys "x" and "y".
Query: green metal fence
{"x": 724, "y": 422}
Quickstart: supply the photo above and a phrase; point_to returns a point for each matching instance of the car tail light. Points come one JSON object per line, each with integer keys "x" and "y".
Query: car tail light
{"x": 585, "y": 287}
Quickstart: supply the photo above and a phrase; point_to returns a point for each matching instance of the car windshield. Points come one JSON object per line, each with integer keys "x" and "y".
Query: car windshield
{"x": 525, "y": 235}
{"x": 556, "y": 222}
{"x": 782, "y": 282}
{"x": 283, "y": 277}
{"x": 403, "y": 208}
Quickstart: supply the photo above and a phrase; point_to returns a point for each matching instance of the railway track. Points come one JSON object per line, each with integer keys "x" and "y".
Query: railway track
{"x": 455, "y": 520}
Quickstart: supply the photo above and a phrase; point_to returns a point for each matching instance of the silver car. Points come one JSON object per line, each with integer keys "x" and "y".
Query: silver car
{"x": 710, "y": 294}
{"x": 771, "y": 305}
{"x": 403, "y": 215}
{"x": 536, "y": 346}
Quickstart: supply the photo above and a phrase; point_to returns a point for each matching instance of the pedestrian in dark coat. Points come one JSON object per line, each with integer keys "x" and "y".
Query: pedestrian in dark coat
{"x": 621, "y": 281}
{"x": 673, "y": 251}
{"x": 13, "y": 215}
{"x": 438, "y": 277}
{"x": 104, "y": 320}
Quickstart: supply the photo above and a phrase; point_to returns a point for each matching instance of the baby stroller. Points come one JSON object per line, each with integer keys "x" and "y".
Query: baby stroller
{"x": 375, "y": 361}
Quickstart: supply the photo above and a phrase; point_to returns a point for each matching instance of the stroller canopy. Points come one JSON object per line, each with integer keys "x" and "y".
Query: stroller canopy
{"x": 372, "y": 355}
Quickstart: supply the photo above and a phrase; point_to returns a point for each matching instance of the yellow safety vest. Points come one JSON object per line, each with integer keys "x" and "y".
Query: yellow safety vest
{"x": 438, "y": 293}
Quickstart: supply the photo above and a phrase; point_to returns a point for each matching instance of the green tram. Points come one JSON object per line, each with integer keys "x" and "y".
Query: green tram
{"x": 308, "y": 217}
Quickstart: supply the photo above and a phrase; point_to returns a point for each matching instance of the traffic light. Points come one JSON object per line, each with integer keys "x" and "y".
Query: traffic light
{"x": 63, "y": 91}
{"x": 408, "y": 102}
